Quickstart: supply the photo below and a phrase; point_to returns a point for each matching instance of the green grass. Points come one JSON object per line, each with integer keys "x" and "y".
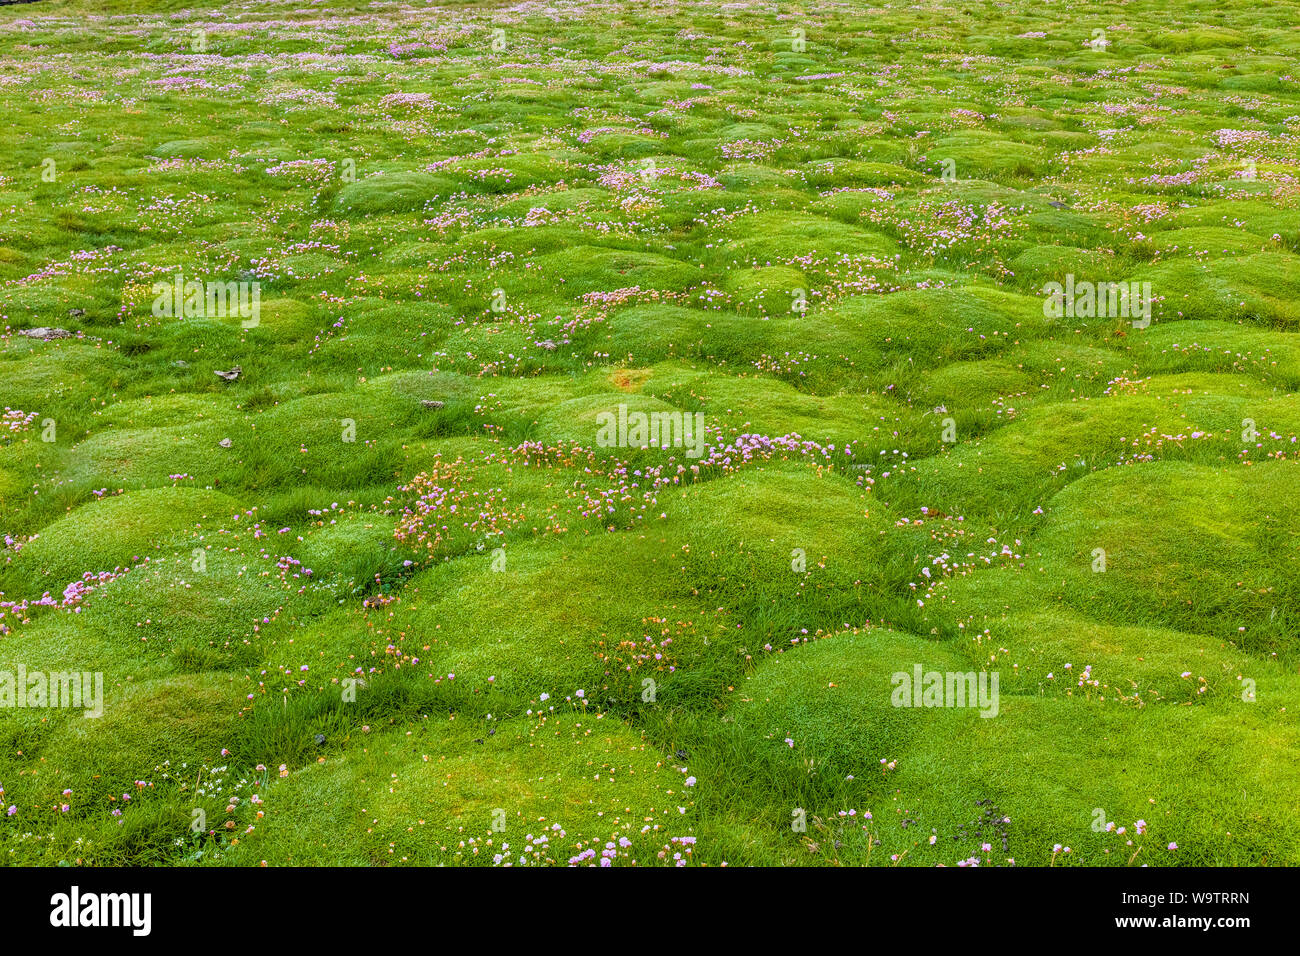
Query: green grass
{"x": 385, "y": 598}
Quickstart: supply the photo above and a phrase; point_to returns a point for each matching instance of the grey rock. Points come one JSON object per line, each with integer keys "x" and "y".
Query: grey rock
{"x": 45, "y": 334}
{"x": 230, "y": 376}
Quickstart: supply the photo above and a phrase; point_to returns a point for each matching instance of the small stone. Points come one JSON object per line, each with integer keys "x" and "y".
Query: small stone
{"x": 230, "y": 376}
{"x": 548, "y": 345}
{"x": 430, "y": 403}
{"x": 320, "y": 740}
{"x": 225, "y": 443}
{"x": 76, "y": 313}
{"x": 45, "y": 334}
{"x": 1056, "y": 205}
{"x": 180, "y": 363}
